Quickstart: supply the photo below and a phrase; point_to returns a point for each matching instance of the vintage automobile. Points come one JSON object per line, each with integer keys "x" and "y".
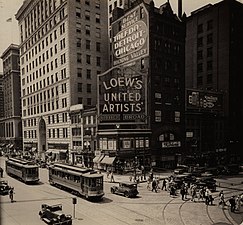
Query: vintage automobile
{"x": 128, "y": 189}
{"x": 180, "y": 169}
{"x": 53, "y": 214}
{"x": 208, "y": 182}
{"x": 4, "y": 187}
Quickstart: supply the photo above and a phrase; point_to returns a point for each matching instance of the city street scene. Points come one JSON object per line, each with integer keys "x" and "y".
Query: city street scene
{"x": 117, "y": 112}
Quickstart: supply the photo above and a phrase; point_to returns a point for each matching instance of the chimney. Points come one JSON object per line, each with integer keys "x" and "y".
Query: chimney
{"x": 180, "y": 8}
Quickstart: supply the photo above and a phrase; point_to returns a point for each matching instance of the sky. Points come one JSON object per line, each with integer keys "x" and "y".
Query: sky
{"x": 9, "y": 32}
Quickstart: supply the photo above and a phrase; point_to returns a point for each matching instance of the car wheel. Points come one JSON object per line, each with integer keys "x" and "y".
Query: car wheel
{"x": 126, "y": 194}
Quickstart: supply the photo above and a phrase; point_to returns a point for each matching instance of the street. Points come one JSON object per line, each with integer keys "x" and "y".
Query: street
{"x": 148, "y": 208}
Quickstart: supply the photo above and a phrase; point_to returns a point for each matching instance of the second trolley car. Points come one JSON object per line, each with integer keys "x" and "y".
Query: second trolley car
{"x": 81, "y": 181}
{"x": 24, "y": 170}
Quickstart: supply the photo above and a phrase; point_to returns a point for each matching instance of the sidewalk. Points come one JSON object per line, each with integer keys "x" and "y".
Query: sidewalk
{"x": 126, "y": 177}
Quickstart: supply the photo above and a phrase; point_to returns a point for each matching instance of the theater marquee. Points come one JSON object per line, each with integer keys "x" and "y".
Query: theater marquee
{"x": 130, "y": 40}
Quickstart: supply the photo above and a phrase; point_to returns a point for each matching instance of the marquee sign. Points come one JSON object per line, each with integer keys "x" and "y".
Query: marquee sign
{"x": 130, "y": 40}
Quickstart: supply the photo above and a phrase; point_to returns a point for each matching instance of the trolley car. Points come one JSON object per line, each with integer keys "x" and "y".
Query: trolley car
{"x": 26, "y": 171}
{"x": 81, "y": 181}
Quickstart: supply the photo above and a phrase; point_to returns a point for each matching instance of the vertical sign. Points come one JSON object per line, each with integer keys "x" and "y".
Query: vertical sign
{"x": 130, "y": 39}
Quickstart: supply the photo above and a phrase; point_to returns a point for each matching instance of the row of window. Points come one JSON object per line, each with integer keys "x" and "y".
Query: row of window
{"x": 209, "y": 66}
{"x": 167, "y": 47}
{"x": 208, "y": 54}
{"x": 200, "y": 40}
{"x": 209, "y": 26}
{"x": 45, "y": 107}
{"x": 52, "y": 133}
{"x": 87, "y": 15}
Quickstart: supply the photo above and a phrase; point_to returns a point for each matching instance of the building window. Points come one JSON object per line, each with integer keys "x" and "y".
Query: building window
{"x": 87, "y": 15}
{"x": 78, "y": 12}
{"x": 80, "y": 87}
{"x": 199, "y": 81}
{"x": 88, "y": 59}
{"x": 98, "y": 46}
{"x": 158, "y": 116}
{"x": 78, "y": 42}
{"x": 89, "y": 101}
{"x": 210, "y": 25}
{"x": 209, "y": 65}
{"x": 199, "y": 67}
{"x": 209, "y": 79}
{"x": 199, "y": 55}
{"x": 88, "y": 74}
{"x": 200, "y": 42}
{"x": 79, "y": 72}
{"x": 88, "y": 44}
{"x": 97, "y": 18}
{"x": 210, "y": 52}
{"x": 79, "y": 58}
{"x": 87, "y": 29}
{"x": 88, "y": 88}
{"x": 200, "y": 28}
{"x": 78, "y": 27}
{"x": 98, "y": 32}
{"x": 210, "y": 39}
{"x": 98, "y": 61}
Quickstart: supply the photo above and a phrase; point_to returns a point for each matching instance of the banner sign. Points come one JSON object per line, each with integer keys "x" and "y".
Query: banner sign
{"x": 203, "y": 100}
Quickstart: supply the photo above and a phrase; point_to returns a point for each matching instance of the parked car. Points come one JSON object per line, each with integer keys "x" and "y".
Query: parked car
{"x": 128, "y": 189}
{"x": 181, "y": 169}
{"x": 53, "y": 214}
{"x": 4, "y": 187}
{"x": 206, "y": 182}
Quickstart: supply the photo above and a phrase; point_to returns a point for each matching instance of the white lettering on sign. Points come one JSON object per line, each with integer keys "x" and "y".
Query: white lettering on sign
{"x": 130, "y": 40}
{"x": 171, "y": 144}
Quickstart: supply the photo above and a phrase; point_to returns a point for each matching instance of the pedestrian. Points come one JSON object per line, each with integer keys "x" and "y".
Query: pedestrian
{"x": 238, "y": 202}
{"x": 164, "y": 185}
{"x": 193, "y": 193}
{"x": 1, "y": 172}
{"x": 172, "y": 191}
{"x": 148, "y": 183}
{"x": 221, "y": 199}
{"x": 232, "y": 204}
{"x": 112, "y": 178}
{"x": 207, "y": 192}
{"x": 201, "y": 194}
{"x": 107, "y": 173}
{"x": 11, "y": 194}
{"x": 182, "y": 192}
{"x": 154, "y": 185}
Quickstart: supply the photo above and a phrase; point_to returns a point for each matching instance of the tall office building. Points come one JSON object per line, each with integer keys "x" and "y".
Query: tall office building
{"x": 214, "y": 53}
{"x": 11, "y": 129}
{"x": 141, "y": 102}
{"x": 1, "y": 97}
{"x": 63, "y": 46}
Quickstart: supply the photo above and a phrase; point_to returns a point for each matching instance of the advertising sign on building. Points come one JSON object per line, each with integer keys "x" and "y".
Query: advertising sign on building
{"x": 122, "y": 97}
{"x": 203, "y": 100}
{"x": 130, "y": 40}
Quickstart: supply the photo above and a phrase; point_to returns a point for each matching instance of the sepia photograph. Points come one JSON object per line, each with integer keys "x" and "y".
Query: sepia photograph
{"x": 121, "y": 112}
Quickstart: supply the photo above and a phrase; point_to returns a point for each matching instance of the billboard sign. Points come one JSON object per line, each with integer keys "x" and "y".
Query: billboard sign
{"x": 203, "y": 100}
{"x": 122, "y": 97}
{"x": 130, "y": 40}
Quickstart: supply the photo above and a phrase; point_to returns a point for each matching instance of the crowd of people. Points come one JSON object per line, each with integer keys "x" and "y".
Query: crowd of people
{"x": 196, "y": 193}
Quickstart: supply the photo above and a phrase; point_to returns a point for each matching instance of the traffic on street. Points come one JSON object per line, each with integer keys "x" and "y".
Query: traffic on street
{"x": 147, "y": 207}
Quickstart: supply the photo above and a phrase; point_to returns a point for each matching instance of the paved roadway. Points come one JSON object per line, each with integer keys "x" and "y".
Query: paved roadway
{"x": 148, "y": 208}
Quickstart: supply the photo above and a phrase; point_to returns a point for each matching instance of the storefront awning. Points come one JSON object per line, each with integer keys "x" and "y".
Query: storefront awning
{"x": 108, "y": 160}
{"x": 98, "y": 158}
